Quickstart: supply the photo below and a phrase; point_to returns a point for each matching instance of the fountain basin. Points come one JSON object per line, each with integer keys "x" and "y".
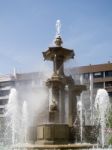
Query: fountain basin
{"x": 78, "y": 146}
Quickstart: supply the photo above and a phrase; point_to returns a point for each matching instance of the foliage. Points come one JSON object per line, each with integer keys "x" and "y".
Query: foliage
{"x": 110, "y": 141}
{"x": 109, "y": 124}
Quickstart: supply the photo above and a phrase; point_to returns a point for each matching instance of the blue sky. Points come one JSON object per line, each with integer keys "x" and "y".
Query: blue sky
{"x": 27, "y": 27}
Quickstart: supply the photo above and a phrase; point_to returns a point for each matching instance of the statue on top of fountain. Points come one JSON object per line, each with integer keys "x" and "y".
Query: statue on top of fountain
{"x": 58, "y": 27}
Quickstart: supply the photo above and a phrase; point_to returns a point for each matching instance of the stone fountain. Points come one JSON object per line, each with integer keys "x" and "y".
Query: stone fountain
{"x": 58, "y": 131}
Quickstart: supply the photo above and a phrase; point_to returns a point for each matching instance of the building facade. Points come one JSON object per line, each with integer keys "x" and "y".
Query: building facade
{"x": 100, "y": 76}
{"x": 94, "y": 77}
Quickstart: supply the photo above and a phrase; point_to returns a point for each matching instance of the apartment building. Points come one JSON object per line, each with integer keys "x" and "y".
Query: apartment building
{"x": 6, "y": 82}
{"x": 21, "y": 82}
{"x": 100, "y": 75}
{"x": 94, "y": 77}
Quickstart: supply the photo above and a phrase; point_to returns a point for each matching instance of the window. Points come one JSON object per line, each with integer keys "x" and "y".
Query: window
{"x": 98, "y": 85}
{"x": 108, "y": 84}
{"x": 6, "y": 83}
{"x": 1, "y": 110}
{"x": 3, "y": 102}
{"x": 110, "y": 94}
{"x": 108, "y": 74}
{"x": 86, "y": 75}
{"x": 4, "y": 93}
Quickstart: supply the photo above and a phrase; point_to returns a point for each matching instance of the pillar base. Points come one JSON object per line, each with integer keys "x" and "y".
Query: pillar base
{"x": 53, "y": 134}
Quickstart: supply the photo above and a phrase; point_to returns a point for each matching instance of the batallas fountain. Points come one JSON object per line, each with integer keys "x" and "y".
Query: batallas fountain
{"x": 57, "y": 131}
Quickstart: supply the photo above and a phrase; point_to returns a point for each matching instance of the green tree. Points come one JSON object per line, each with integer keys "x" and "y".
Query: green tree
{"x": 109, "y": 123}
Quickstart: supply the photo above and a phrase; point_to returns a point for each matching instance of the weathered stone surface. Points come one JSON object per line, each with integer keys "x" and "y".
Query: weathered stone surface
{"x": 52, "y": 134}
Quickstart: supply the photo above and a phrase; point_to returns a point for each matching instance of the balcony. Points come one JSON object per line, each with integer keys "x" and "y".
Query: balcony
{"x": 2, "y": 115}
{"x": 4, "y": 97}
{"x": 2, "y": 106}
{"x": 106, "y": 79}
{"x": 5, "y": 88}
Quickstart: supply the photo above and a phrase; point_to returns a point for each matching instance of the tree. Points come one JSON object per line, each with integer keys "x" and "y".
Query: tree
{"x": 109, "y": 124}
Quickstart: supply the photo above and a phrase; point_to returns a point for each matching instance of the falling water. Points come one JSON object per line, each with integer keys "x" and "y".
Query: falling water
{"x": 102, "y": 107}
{"x": 91, "y": 98}
{"x": 80, "y": 107}
{"x": 24, "y": 122}
{"x": 12, "y": 115}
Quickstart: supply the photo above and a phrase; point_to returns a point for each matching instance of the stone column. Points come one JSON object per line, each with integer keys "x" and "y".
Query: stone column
{"x": 72, "y": 106}
{"x": 62, "y": 104}
{"x": 59, "y": 67}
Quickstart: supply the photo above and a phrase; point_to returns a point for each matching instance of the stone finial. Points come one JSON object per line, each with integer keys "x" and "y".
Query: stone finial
{"x": 58, "y": 41}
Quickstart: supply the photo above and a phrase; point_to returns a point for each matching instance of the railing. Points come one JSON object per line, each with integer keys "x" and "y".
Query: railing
{"x": 108, "y": 88}
{"x": 4, "y": 97}
{"x": 2, "y": 106}
{"x": 5, "y": 88}
{"x": 2, "y": 115}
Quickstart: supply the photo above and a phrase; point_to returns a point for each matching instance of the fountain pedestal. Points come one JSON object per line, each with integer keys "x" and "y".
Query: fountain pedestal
{"x": 52, "y": 134}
